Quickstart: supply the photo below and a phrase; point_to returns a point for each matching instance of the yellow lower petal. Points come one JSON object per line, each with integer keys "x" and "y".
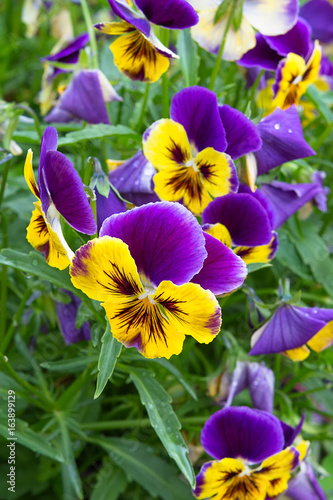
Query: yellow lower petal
{"x": 322, "y": 339}
{"x": 277, "y": 469}
{"x": 303, "y": 448}
{"x": 29, "y": 174}
{"x": 114, "y": 28}
{"x": 262, "y": 253}
{"x": 298, "y": 354}
{"x": 137, "y": 58}
{"x": 220, "y": 232}
{"x": 167, "y": 145}
{"x": 37, "y": 233}
{"x": 226, "y": 480}
{"x": 105, "y": 270}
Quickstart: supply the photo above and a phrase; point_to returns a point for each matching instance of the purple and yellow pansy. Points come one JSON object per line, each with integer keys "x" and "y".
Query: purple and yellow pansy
{"x": 188, "y": 151}
{"x": 253, "y": 455}
{"x": 137, "y": 51}
{"x": 60, "y": 193}
{"x": 156, "y": 275}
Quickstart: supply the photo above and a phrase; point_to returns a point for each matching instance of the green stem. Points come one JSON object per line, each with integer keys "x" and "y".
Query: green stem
{"x": 135, "y": 422}
{"x": 4, "y": 180}
{"x": 164, "y": 37}
{"x": 91, "y": 31}
{"x": 143, "y": 109}
{"x": 6, "y": 367}
{"x": 3, "y": 306}
{"x": 31, "y": 112}
{"x": 220, "y": 52}
{"x": 16, "y": 320}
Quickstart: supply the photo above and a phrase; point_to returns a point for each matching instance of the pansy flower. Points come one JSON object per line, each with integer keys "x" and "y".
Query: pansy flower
{"x": 59, "y": 192}
{"x": 304, "y": 486}
{"x": 252, "y": 458}
{"x": 67, "y": 315}
{"x": 257, "y": 377}
{"x": 84, "y": 99}
{"x": 140, "y": 269}
{"x": 270, "y": 17}
{"x": 319, "y": 14}
{"x": 292, "y": 330}
{"x": 243, "y": 222}
{"x": 137, "y": 52}
{"x": 187, "y": 150}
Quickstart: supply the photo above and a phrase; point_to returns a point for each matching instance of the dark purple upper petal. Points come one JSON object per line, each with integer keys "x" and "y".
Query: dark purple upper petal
{"x": 304, "y": 486}
{"x": 290, "y": 433}
{"x": 242, "y": 432}
{"x": 319, "y": 14}
{"x": 287, "y": 198}
{"x": 289, "y": 327}
{"x": 106, "y": 206}
{"x": 297, "y": 40}
{"x": 84, "y": 98}
{"x": 49, "y": 143}
{"x": 124, "y": 11}
{"x": 196, "y": 108}
{"x": 282, "y": 137}
{"x": 174, "y": 14}
{"x": 67, "y": 193}
{"x": 262, "y": 198}
{"x": 223, "y": 271}
{"x": 262, "y": 55}
{"x": 243, "y": 216}
{"x": 134, "y": 180}
{"x": 241, "y": 134}
{"x": 67, "y": 314}
{"x": 73, "y": 48}
{"x": 164, "y": 238}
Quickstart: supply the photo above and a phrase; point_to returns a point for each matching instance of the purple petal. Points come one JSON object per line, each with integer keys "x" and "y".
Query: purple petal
{"x": 282, "y": 138}
{"x": 261, "y": 382}
{"x": 290, "y": 433}
{"x": 262, "y": 56}
{"x": 242, "y": 432}
{"x": 238, "y": 381}
{"x": 124, "y": 11}
{"x": 262, "y": 198}
{"x": 106, "y": 206}
{"x": 67, "y": 193}
{"x": 72, "y": 48}
{"x": 222, "y": 271}
{"x": 196, "y": 108}
{"x": 319, "y": 14}
{"x": 84, "y": 98}
{"x": 243, "y": 216}
{"x": 241, "y": 134}
{"x": 286, "y": 199}
{"x": 165, "y": 240}
{"x": 174, "y": 14}
{"x": 67, "y": 314}
{"x": 59, "y": 115}
{"x": 49, "y": 143}
{"x": 134, "y": 180}
{"x": 297, "y": 40}
{"x": 304, "y": 486}
{"x": 289, "y": 327}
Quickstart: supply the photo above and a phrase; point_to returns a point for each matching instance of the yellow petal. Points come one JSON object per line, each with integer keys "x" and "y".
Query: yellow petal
{"x": 298, "y": 354}
{"x": 37, "y": 232}
{"x": 277, "y": 470}
{"x": 322, "y": 339}
{"x": 29, "y": 174}
{"x": 262, "y": 253}
{"x": 137, "y": 58}
{"x": 303, "y": 448}
{"x": 105, "y": 270}
{"x": 166, "y": 144}
{"x": 114, "y": 28}
{"x": 220, "y": 232}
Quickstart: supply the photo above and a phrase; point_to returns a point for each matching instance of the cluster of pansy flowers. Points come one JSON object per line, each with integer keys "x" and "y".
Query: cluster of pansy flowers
{"x": 198, "y": 218}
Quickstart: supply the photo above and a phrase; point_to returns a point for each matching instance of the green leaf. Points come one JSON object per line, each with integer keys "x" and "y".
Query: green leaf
{"x": 69, "y": 365}
{"x": 139, "y": 463}
{"x": 289, "y": 257}
{"x": 30, "y": 439}
{"x": 257, "y": 266}
{"x": 238, "y": 14}
{"x": 95, "y": 132}
{"x": 70, "y": 473}
{"x": 83, "y": 315}
{"x": 222, "y": 9}
{"x": 188, "y": 57}
{"x": 163, "y": 419}
{"x": 172, "y": 369}
{"x": 111, "y": 482}
{"x": 317, "y": 98}
{"x": 110, "y": 351}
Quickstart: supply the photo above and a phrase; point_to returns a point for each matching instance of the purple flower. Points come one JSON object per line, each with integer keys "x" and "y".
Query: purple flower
{"x": 67, "y": 314}
{"x": 59, "y": 192}
{"x": 291, "y": 329}
{"x": 304, "y": 486}
{"x": 256, "y": 377}
{"x": 250, "y": 456}
{"x": 152, "y": 268}
{"x": 134, "y": 180}
{"x": 319, "y": 14}
{"x": 68, "y": 55}
{"x": 188, "y": 150}
{"x": 138, "y": 53}
{"x": 84, "y": 99}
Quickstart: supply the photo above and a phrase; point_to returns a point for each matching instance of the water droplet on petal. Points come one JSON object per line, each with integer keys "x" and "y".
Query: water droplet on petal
{"x": 290, "y": 130}
{"x": 277, "y": 126}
